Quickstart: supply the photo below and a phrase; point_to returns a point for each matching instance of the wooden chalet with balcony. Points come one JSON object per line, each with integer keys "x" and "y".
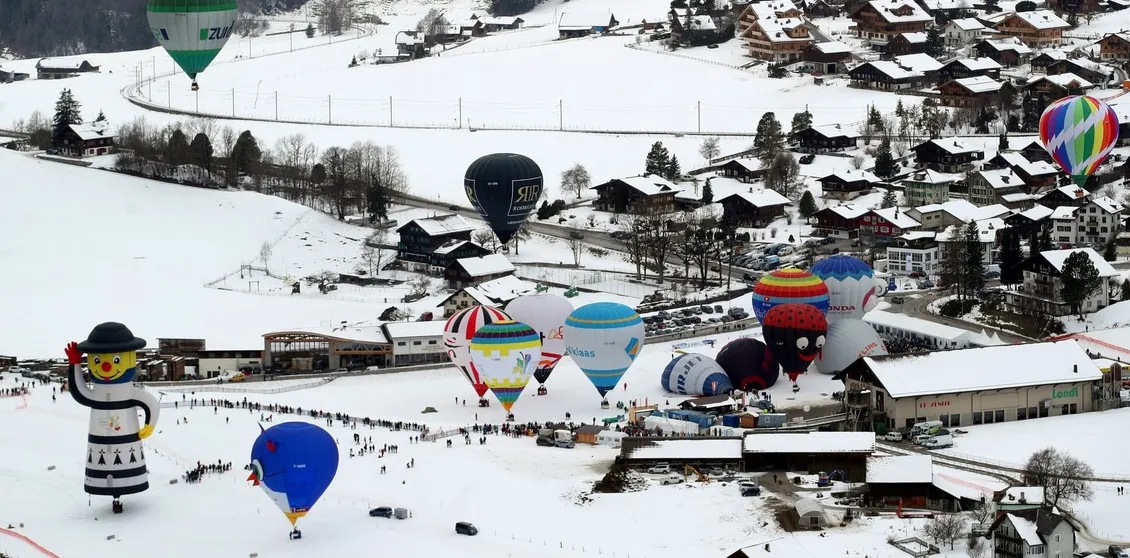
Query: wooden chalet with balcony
{"x": 50, "y": 68}
{"x": 882, "y": 225}
{"x": 1038, "y": 175}
{"x": 470, "y": 272}
{"x": 878, "y": 21}
{"x": 1115, "y": 47}
{"x": 1007, "y": 52}
{"x": 755, "y": 208}
{"x": 885, "y": 75}
{"x": 848, "y": 184}
{"x": 840, "y": 221}
{"x": 977, "y": 91}
{"x": 742, "y": 170}
{"x": 826, "y": 139}
{"x": 970, "y": 67}
{"x": 1058, "y": 85}
{"x": 774, "y": 9}
{"x": 1037, "y": 29}
{"x": 86, "y": 141}
{"x": 950, "y": 155}
{"x": 906, "y": 43}
{"x": 420, "y": 239}
{"x": 1098, "y": 74}
{"x": 830, "y": 57}
{"x": 1041, "y": 61}
{"x": 777, "y": 40}
{"x": 636, "y": 194}
{"x": 494, "y": 24}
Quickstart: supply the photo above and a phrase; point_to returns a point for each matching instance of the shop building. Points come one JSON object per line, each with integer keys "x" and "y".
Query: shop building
{"x": 348, "y": 346}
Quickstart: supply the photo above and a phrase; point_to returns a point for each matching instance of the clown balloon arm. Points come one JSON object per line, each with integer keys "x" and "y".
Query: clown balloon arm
{"x": 85, "y": 396}
{"x": 151, "y": 407}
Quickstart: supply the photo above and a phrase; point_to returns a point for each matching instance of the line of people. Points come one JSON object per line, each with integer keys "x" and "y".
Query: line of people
{"x": 195, "y": 475}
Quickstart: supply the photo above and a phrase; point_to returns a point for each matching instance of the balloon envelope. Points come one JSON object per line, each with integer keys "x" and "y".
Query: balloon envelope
{"x": 1079, "y": 132}
{"x": 847, "y": 341}
{"x": 457, "y": 335}
{"x": 506, "y": 354}
{"x": 504, "y": 188}
{"x": 695, "y": 374}
{"x": 546, "y": 313}
{"x": 604, "y": 338}
{"x": 749, "y": 364}
{"x": 294, "y": 463}
{"x": 853, "y": 289}
{"x": 192, "y": 31}
{"x": 795, "y": 335}
{"x": 789, "y": 285}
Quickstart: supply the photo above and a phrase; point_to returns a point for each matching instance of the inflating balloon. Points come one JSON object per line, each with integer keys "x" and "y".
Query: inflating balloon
{"x": 795, "y": 334}
{"x": 505, "y": 354}
{"x": 457, "y": 335}
{"x": 789, "y": 285}
{"x": 504, "y": 188}
{"x": 193, "y": 32}
{"x": 695, "y": 374}
{"x": 546, "y": 313}
{"x": 847, "y": 341}
{"x": 604, "y": 338}
{"x": 1079, "y": 132}
{"x": 853, "y": 289}
{"x": 294, "y": 462}
{"x": 749, "y": 364}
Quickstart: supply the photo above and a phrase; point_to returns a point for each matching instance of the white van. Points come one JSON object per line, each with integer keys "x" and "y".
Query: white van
{"x": 928, "y": 427}
{"x": 939, "y": 441}
{"x": 671, "y": 479}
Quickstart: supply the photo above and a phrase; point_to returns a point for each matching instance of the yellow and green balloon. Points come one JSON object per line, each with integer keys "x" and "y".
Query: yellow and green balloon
{"x": 193, "y": 32}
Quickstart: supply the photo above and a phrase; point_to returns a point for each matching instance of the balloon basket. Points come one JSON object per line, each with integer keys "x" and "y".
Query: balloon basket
{"x": 509, "y": 417}
{"x": 116, "y": 506}
{"x": 603, "y": 403}
{"x": 542, "y": 390}
{"x": 295, "y": 534}
{"x": 195, "y": 86}
{"x": 484, "y": 402}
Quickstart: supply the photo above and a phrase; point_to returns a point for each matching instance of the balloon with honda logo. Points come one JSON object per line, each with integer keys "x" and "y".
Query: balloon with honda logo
{"x": 848, "y": 341}
{"x": 853, "y": 289}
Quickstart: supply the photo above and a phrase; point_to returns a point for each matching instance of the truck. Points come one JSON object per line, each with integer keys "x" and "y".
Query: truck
{"x": 563, "y": 438}
{"x": 928, "y": 427}
{"x": 771, "y": 420}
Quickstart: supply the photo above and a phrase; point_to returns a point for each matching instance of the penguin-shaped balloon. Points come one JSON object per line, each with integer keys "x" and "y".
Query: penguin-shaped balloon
{"x": 294, "y": 463}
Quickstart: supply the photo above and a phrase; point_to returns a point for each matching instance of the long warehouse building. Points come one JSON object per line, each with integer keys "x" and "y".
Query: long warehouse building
{"x": 971, "y": 386}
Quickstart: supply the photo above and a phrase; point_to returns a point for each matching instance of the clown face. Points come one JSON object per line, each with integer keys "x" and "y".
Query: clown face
{"x": 112, "y": 368}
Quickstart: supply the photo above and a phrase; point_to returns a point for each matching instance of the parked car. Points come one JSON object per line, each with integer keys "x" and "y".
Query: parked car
{"x": 939, "y": 441}
{"x": 545, "y": 442}
{"x": 464, "y": 528}
{"x": 621, "y": 235}
{"x": 660, "y": 469}
{"x": 671, "y": 479}
{"x": 1117, "y": 552}
{"x": 892, "y": 436}
{"x": 454, "y": 207}
{"x": 807, "y": 159}
{"x": 383, "y": 511}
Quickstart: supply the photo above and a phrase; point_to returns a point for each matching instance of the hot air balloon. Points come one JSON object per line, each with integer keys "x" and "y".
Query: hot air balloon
{"x": 457, "y": 335}
{"x": 604, "y": 338}
{"x": 749, "y": 364}
{"x": 294, "y": 462}
{"x": 546, "y": 313}
{"x": 504, "y": 188}
{"x": 795, "y": 335}
{"x": 847, "y": 341}
{"x": 506, "y": 354}
{"x": 853, "y": 289}
{"x": 789, "y": 285}
{"x": 695, "y": 374}
{"x": 1079, "y": 132}
{"x": 193, "y": 32}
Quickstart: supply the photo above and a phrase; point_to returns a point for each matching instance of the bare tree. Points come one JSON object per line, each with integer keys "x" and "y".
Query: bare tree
{"x": 977, "y": 548}
{"x": 521, "y": 235}
{"x": 576, "y": 180}
{"x": 432, "y": 22}
{"x": 783, "y": 175}
{"x": 634, "y": 228}
{"x": 487, "y": 239}
{"x": 576, "y": 243}
{"x": 982, "y": 511}
{"x": 265, "y": 251}
{"x": 1063, "y": 477}
{"x": 659, "y": 242}
{"x": 420, "y": 286}
{"x": 945, "y": 529}
{"x": 709, "y": 149}
{"x": 857, "y": 161}
{"x": 374, "y": 250}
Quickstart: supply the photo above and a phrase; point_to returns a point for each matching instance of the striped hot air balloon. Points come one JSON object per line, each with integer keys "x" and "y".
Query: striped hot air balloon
{"x": 789, "y": 285}
{"x": 506, "y": 354}
{"x": 193, "y": 32}
{"x": 457, "y": 335}
{"x": 1079, "y": 132}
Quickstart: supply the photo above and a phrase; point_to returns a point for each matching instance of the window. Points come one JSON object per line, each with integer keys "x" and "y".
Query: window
{"x": 1063, "y": 409}
{"x": 432, "y": 342}
{"x": 1032, "y": 412}
{"x": 955, "y": 420}
{"x": 401, "y": 343}
{"x": 945, "y": 420}
{"x": 1057, "y": 538}
{"x": 988, "y": 417}
{"x": 1021, "y": 413}
{"x": 976, "y": 417}
{"x": 1074, "y": 409}
{"x": 909, "y": 422}
{"x": 1043, "y": 412}
{"x": 1000, "y": 415}
{"x": 415, "y": 343}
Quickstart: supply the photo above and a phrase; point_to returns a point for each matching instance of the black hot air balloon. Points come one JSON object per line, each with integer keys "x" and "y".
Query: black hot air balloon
{"x": 749, "y": 364}
{"x": 504, "y": 188}
{"x": 795, "y": 335}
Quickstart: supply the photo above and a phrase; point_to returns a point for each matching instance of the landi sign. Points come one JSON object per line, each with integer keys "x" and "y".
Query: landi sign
{"x": 1065, "y": 393}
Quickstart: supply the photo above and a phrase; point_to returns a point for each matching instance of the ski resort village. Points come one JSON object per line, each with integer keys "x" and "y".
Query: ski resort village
{"x": 565, "y": 278}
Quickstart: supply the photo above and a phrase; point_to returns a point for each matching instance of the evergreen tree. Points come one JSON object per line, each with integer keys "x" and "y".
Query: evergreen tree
{"x": 1080, "y": 280}
{"x": 1125, "y": 290}
{"x": 673, "y": 171}
{"x": 1045, "y": 242}
{"x": 769, "y": 140}
{"x": 874, "y": 119}
{"x": 801, "y": 122}
{"x": 200, "y": 152}
{"x": 658, "y": 160}
{"x": 1002, "y": 141}
{"x": 935, "y": 43}
{"x": 807, "y": 205}
{"x": 378, "y": 200}
{"x": 900, "y": 111}
{"x": 176, "y": 150}
{"x": 778, "y": 71}
{"x": 245, "y": 155}
{"x": 889, "y": 199}
{"x": 974, "y": 259}
{"x": 1109, "y": 252}
{"x": 1011, "y": 256}
{"x": 101, "y": 119}
{"x": 68, "y": 111}
{"x": 885, "y": 165}
{"x": 318, "y": 174}
{"x": 707, "y": 193}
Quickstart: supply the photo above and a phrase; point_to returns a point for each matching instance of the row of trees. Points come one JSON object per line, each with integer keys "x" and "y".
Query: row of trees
{"x": 695, "y": 240}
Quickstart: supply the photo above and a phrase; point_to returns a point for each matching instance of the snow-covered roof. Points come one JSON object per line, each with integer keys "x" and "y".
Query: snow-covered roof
{"x": 966, "y": 24}
{"x": 751, "y": 165}
{"x": 978, "y": 64}
{"x": 953, "y": 146}
{"x": 983, "y": 368}
{"x": 1023, "y": 494}
{"x": 852, "y": 175}
{"x": 897, "y": 217}
{"x": 830, "y": 47}
{"x": 918, "y": 235}
{"x": 361, "y": 332}
{"x": 914, "y": 38}
{"x": 57, "y": 64}
{"x": 501, "y": 20}
{"x": 689, "y": 449}
{"x": 1042, "y": 19}
{"x": 960, "y": 488}
{"x": 979, "y": 84}
{"x": 1106, "y": 204}
{"x": 406, "y": 39}
{"x": 490, "y": 264}
{"x": 987, "y": 230}
{"x": 494, "y": 292}
{"x": 931, "y": 176}
{"x": 1017, "y": 197}
{"x": 935, "y": 5}
{"x": 87, "y": 132}
{"x": 1105, "y": 341}
{"x": 405, "y": 330}
{"x": 809, "y": 442}
{"x": 762, "y": 198}
{"x": 808, "y": 506}
{"x": 847, "y": 210}
{"x": 1066, "y": 79}
{"x": 900, "y": 469}
{"x": 451, "y": 223}
{"x": 904, "y": 322}
{"x": 1053, "y": 54}
{"x": 649, "y": 184}
{"x": 769, "y": 10}
{"x": 911, "y": 12}
{"x": 450, "y": 246}
{"x": 1058, "y": 257}
{"x": 1016, "y": 159}
{"x": 920, "y": 62}
{"x": 1064, "y": 212}
{"x": 893, "y": 70}
{"x": 703, "y": 23}
{"x": 1026, "y": 530}
{"x": 1038, "y": 212}
{"x": 835, "y": 131}
{"x": 1001, "y": 178}
{"x": 1011, "y": 43}
{"x": 777, "y": 30}
{"x": 579, "y": 21}
{"x": 1071, "y": 191}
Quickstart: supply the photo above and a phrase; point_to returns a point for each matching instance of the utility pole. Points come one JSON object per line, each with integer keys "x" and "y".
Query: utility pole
{"x": 700, "y": 117}
{"x": 390, "y": 122}
{"x": 330, "y": 100}
{"x": 197, "y": 100}
{"x": 169, "y": 90}
{"x": 276, "y": 105}
{"x": 233, "y": 102}
{"x": 460, "y": 113}
{"x": 560, "y": 115}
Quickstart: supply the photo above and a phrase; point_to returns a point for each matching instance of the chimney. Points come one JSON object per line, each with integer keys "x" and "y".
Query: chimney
{"x": 1022, "y": 500}
{"x": 751, "y": 189}
{"x": 1076, "y": 368}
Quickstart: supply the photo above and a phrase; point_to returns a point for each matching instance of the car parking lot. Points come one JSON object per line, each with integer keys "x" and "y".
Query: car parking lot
{"x": 666, "y": 322}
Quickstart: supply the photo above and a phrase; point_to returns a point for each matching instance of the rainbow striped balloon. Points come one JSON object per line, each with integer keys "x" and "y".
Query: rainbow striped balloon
{"x": 789, "y": 285}
{"x": 506, "y": 353}
{"x": 1079, "y": 132}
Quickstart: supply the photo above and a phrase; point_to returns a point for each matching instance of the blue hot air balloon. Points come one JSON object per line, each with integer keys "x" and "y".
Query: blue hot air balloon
{"x": 852, "y": 286}
{"x": 695, "y": 374}
{"x": 604, "y": 338}
{"x": 294, "y": 462}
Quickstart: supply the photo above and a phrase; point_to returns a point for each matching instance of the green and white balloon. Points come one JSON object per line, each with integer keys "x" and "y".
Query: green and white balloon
{"x": 193, "y": 32}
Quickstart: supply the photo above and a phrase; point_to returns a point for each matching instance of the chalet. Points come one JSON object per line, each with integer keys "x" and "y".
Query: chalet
{"x": 1007, "y": 52}
{"x": 950, "y": 155}
{"x": 961, "y": 32}
{"x": 1115, "y": 47}
{"x": 1035, "y": 151}
{"x": 1093, "y": 72}
{"x": 1030, "y": 222}
{"x": 987, "y": 186}
{"x": 927, "y": 186}
{"x": 906, "y": 43}
{"x": 825, "y": 139}
{"x": 848, "y": 184}
{"x": 1037, "y": 175}
{"x": 702, "y": 30}
{"x": 878, "y": 21}
{"x": 1066, "y": 196}
{"x": 494, "y": 294}
{"x": 409, "y": 45}
{"x": 467, "y": 272}
{"x": 885, "y": 75}
{"x": 444, "y": 35}
{"x": 977, "y": 91}
{"x": 9, "y": 76}
{"x": 1019, "y": 201}
{"x": 420, "y": 238}
{"x": 580, "y": 24}
{"x": 1037, "y": 29}
{"x": 882, "y": 225}
{"x": 1123, "y": 114}
{"x": 455, "y": 249}
{"x": 50, "y": 68}
{"x": 636, "y": 194}
{"x": 970, "y": 67}
{"x": 742, "y": 170}
{"x": 940, "y": 216}
{"x": 472, "y": 28}
{"x": 1043, "y": 283}
{"x": 827, "y": 58}
{"x": 1058, "y": 85}
{"x": 1081, "y": 7}
{"x": 1038, "y": 533}
{"x": 755, "y": 208}
{"x": 86, "y": 141}
{"x": 821, "y": 8}
{"x": 840, "y": 221}
{"x": 777, "y": 40}
{"x": 921, "y": 63}
{"x": 502, "y": 23}
{"x": 1041, "y": 61}
{"x": 774, "y": 9}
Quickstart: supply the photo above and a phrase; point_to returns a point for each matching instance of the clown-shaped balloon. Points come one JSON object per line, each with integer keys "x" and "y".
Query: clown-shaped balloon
{"x": 294, "y": 462}
{"x": 506, "y": 354}
{"x": 115, "y": 459}
{"x": 789, "y": 285}
{"x": 853, "y": 289}
{"x": 795, "y": 334}
{"x": 457, "y": 335}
